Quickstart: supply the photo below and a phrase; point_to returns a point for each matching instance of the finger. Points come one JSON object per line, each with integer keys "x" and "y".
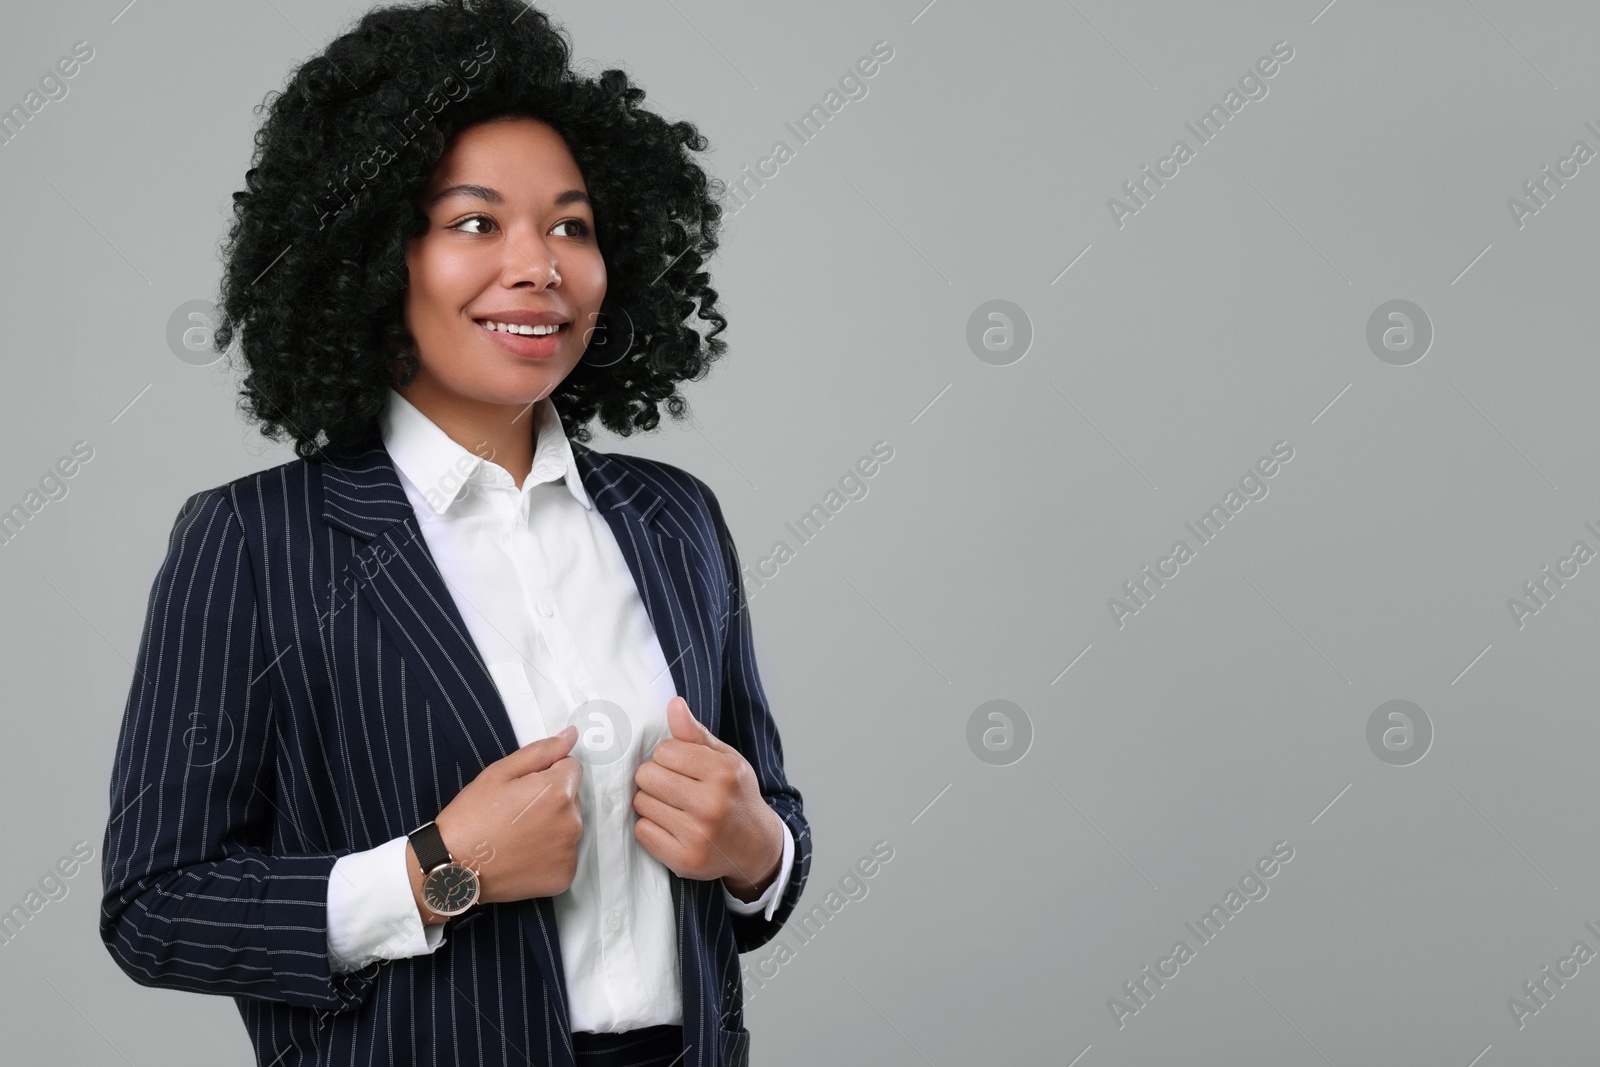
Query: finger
{"x": 538, "y": 755}
{"x": 689, "y": 759}
{"x": 660, "y": 844}
{"x": 564, "y": 777}
{"x": 675, "y": 822}
{"x": 663, "y": 782}
{"x": 542, "y": 785}
{"x": 685, "y": 727}
{"x": 689, "y": 839}
{"x": 571, "y": 771}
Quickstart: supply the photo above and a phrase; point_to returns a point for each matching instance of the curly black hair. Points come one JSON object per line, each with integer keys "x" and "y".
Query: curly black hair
{"x": 315, "y": 274}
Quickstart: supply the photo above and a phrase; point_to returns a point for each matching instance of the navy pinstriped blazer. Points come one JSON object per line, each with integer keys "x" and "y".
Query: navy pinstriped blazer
{"x": 306, "y": 688}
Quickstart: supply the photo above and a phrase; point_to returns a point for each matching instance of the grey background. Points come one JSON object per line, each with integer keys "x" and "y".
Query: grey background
{"x": 1229, "y": 314}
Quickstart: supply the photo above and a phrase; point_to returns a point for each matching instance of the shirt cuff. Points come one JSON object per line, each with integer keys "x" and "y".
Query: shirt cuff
{"x": 371, "y": 912}
{"x": 769, "y": 899}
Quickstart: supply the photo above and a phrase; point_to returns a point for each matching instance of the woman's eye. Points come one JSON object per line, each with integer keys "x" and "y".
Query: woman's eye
{"x": 472, "y": 218}
{"x": 580, "y": 227}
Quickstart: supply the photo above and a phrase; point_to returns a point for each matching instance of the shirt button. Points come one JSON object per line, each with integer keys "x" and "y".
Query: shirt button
{"x": 545, "y": 609}
{"x": 605, "y": 802}
{"x": 614, "y": 922}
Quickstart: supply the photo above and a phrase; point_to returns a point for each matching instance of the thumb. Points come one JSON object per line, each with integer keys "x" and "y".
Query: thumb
{"x": 539, "y": 755}
{"x": 685, "y": 727}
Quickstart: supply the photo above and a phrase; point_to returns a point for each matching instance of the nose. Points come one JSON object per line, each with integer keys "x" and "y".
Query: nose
{"x": 529, "y": 261}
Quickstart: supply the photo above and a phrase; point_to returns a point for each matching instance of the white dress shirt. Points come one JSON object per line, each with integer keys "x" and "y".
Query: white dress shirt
{"x": 552, "y": 607}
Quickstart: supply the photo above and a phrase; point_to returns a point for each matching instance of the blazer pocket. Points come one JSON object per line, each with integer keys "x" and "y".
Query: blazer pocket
{"x": 733, "y": 1048}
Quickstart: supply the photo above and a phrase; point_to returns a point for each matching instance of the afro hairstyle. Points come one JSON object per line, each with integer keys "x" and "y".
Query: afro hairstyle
{"x": 314, "y": 272}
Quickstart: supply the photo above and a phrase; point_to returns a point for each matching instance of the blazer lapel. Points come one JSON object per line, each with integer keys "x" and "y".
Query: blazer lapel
{"x": 398, "y": 577}
{"x": 396, "y": 573}
{"x": 655, "y": 558}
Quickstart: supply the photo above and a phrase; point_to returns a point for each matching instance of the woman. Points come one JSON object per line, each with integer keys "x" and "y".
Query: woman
{"x": 447, "y": 742}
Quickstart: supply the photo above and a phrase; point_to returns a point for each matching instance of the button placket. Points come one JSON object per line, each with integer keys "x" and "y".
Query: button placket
{"x": 554, "y": 637}
{"x": 548, "y": 665}
{"x": 548, "y": 618}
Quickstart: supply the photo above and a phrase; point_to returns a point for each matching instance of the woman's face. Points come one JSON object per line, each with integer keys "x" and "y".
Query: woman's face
{"x": 510, "y": 235}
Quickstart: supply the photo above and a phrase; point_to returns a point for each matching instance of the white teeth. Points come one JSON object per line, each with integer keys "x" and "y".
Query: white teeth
{"x": 527, "y": 331}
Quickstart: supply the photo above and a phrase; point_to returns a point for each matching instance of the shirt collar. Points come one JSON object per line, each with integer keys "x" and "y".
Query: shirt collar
{"x": 439, "y": 467}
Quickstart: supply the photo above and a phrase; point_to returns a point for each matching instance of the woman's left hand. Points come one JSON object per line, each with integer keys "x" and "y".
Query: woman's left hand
{"x": 701, "y": 812}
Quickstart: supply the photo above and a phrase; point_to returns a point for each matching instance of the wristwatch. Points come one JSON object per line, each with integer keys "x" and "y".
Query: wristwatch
{"x": 448, "y": 887}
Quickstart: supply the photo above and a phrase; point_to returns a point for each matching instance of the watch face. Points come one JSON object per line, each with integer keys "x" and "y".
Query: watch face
{"x": 451, "y": 889}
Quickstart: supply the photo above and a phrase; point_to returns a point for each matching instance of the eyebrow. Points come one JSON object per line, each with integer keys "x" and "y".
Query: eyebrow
{"x": 483, "y": 192}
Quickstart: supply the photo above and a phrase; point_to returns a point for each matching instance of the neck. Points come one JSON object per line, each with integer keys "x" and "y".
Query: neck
{"x": 501, "y": 433}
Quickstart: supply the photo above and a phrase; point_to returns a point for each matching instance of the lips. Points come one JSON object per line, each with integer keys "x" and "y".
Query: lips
{"x": 528, "y": 346}
{"x": 523, "y": 317}
{"x": 519, "y": 329}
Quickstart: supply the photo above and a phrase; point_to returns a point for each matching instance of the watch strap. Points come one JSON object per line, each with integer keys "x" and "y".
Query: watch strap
{"x": 428, "y": 844}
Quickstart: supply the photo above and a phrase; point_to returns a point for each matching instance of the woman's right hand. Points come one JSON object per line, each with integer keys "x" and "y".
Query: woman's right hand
{"x": 518, "y": 822}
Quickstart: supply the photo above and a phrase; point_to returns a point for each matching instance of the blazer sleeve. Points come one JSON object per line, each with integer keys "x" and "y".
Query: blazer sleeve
{"x": 747, "y": 724}
{"x": 195, "y": 896}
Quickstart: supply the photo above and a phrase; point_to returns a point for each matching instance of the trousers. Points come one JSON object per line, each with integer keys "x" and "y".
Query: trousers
{"x": 648, "y": 1046}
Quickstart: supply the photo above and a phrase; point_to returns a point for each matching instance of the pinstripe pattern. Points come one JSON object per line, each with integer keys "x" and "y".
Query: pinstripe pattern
{"x": 306, "y": 688}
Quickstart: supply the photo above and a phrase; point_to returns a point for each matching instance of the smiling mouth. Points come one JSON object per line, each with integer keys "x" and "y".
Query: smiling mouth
{"x": 544, "y": 345}
{"x": 521, "y": 331}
